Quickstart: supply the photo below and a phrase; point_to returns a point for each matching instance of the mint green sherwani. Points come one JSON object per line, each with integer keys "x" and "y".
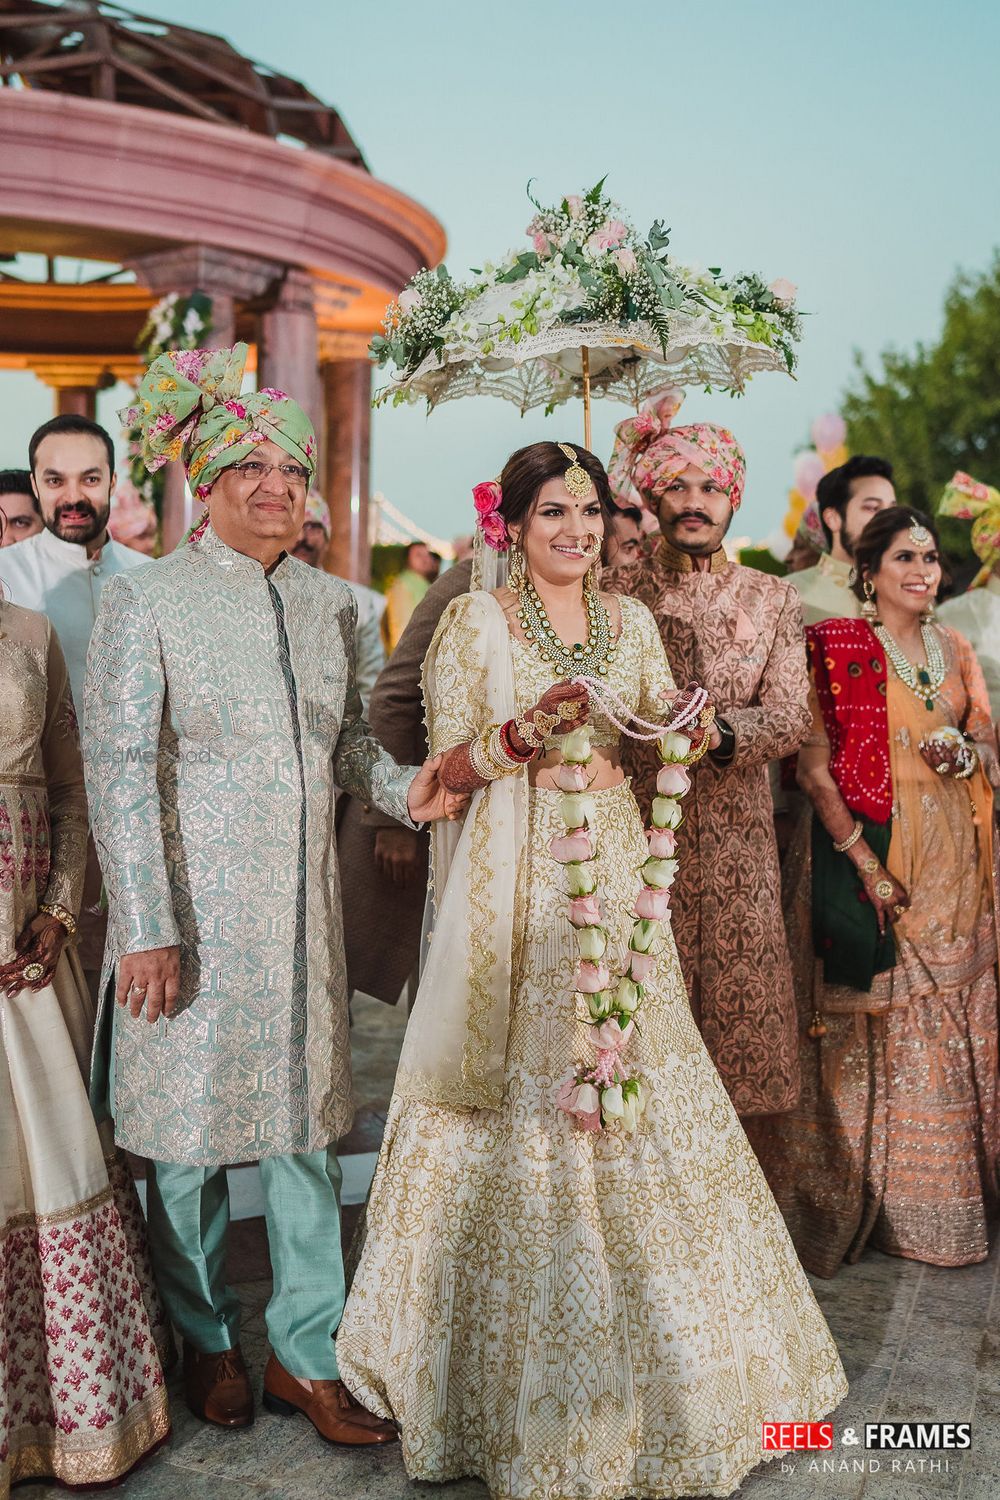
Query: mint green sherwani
{"x": 220, "y": 709}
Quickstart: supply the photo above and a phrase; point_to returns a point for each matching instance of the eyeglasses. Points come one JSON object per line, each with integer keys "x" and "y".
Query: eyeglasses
{"x": 255, "y": 472}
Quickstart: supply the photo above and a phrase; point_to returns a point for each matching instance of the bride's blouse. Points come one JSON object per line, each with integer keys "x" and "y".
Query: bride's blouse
{"x": 637, "y": 674}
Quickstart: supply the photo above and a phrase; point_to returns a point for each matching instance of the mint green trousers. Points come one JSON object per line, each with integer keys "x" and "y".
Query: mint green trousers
{"x": 188, "y": 1212}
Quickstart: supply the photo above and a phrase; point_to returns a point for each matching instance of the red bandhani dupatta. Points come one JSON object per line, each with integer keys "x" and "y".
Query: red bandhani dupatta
{"x": 849, "y": 669}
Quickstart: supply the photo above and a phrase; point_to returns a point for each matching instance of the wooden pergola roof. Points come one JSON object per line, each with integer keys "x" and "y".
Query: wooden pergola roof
{"x": 99, "y": 50}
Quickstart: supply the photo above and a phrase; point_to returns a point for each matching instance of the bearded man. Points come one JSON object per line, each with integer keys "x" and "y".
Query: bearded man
{"x": 739, "y": 633}
{"x": 846, "y": 499}
{"x": 62, "y": 573}
{"x": 221, "y": 705}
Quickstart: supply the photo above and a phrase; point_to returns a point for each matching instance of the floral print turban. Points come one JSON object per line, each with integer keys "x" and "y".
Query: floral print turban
{"x": 968, "y": 500}
{"x": 317, "y": 510}
{"x": 189, "y": 406}
{"x": 649, "y": 453}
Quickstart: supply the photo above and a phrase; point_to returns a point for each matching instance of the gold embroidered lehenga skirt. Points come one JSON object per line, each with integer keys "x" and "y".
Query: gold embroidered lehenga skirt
{"x": 82, "y": 1396}
{"x": 571, "y": 1316}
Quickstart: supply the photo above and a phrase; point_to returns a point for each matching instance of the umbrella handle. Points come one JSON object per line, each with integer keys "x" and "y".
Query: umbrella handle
{"x": 585, "y": 369}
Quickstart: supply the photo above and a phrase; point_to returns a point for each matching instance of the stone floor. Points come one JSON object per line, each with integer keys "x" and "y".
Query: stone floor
{"x": 917, "y": 1343}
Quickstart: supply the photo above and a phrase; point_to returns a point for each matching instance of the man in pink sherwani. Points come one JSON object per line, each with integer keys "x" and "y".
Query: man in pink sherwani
{"x": 739, "y": 633}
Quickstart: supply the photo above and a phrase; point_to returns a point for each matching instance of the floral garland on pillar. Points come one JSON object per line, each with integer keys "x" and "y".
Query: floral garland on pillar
{"x": 608, "y": 1089}
{"x": 175, "y": 322}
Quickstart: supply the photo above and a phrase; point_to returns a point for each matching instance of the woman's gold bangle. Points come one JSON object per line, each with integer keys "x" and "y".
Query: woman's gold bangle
{"x": 55, "y": 909}
{"x": 852, "y": 838}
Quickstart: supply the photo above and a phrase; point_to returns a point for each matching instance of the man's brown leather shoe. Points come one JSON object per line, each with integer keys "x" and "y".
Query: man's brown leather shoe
{"x": 217, "y": 1387}
{"x": 329, "y": 1406}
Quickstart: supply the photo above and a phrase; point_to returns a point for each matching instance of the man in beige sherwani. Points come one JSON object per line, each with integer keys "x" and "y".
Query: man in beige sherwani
{"x": 221, "y": 707}
{"x": 739, "y": 633}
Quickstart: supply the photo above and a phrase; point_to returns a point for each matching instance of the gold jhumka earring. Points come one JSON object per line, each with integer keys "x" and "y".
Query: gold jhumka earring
{"x": 869, "y": 609}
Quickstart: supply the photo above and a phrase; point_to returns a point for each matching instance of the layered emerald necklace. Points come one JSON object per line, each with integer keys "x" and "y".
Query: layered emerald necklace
{"x": 591, "y": 658}
{"x": 923, "y": 682}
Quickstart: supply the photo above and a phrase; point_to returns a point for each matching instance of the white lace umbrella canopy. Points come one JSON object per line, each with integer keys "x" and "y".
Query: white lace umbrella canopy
{"x": 590, "y": 307}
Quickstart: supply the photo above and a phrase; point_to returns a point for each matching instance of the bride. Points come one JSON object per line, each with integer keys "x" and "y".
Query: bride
{"x": 575, "y": 1285}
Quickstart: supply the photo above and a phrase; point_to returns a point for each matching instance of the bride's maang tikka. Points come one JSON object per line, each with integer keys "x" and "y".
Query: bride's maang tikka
{"x": 576, "y": 478}
{"x": 920, "y": 536}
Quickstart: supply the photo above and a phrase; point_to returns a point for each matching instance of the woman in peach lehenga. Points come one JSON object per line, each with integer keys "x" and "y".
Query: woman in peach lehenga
{"x": 891, "y": 906}
{"x": 82, "y": 1397}
{"x": 568, "y": 1312}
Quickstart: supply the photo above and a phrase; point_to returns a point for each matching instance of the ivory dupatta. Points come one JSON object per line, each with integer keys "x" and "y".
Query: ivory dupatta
{"x": 455, "y": 1047}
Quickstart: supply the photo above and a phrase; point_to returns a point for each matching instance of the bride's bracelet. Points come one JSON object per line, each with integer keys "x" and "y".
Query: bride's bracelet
{"x": 57, "y": 910}
{"x": 491, "y": 756}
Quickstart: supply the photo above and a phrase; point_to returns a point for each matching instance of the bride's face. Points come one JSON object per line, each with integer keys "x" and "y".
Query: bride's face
{"x": 562, "y": 535}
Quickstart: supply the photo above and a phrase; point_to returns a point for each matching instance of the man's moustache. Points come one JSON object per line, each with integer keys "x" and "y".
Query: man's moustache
{"x": 695, "y": 515}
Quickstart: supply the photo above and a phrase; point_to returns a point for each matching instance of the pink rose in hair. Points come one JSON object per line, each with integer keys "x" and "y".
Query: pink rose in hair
{"x": 673, "y": 781}
{"x": 486, "y": 497}
{"x": 609, "y": 1036}
{"x": 652, "y": 904}
{"x": 662, "y": 842}
{"x": 495, "y": 533}
{"x": 570, "y": 847}
{"x": 585, "y": 911}
{"x": 641, "y": 966}
{"x": 590, "y": 978}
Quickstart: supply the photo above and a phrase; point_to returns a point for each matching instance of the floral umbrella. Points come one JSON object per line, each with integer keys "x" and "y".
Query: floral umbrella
{"x": 590, "y": 306}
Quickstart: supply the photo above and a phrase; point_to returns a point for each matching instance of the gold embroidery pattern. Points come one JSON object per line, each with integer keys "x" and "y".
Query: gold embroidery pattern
{"x": 561, "y": 1313}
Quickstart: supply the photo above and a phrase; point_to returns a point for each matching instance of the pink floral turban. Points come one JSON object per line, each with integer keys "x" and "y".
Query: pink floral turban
{"x": 649, "y": 453}
{"x": 317, "y": 510}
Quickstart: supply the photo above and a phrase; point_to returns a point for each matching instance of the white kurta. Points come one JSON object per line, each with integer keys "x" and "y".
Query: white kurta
{"x": 825, "y": 591}
{"x": 976, "y": 615}
{"x": 58, "y": 579}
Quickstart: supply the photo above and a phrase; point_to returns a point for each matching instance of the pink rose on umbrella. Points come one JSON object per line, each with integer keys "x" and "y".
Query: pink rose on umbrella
{"x": 582, "y": 1102}
{"x": 783, "y": 291}
{"x": 590, "y": 978}
{"x": 662, "y": 842}
{"x": 610, "y": 235}
{"x": 585, "y": 911}
{"x": 540, "y": 242}
{"x": 641, "y": 966}
{"x": 609, "y": 1036}
{"x": 652, "y": 904}
{"x": 625, "y": 261}
{"x": 409, "y": 300}
{"x": 574, "y": 204}
{"x": 673, "y": 781}
{"x": 569, "y": 847}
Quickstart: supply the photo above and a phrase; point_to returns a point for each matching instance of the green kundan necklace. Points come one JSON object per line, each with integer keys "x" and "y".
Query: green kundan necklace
{"x": 591, "y": 658}
{"x": 923, "y": 682}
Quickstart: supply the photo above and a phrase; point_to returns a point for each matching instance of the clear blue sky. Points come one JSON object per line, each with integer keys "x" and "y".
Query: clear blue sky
{"x": 852, "y": 147}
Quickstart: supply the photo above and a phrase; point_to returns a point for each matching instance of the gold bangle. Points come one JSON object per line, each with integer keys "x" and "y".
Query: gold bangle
{"x": 480, "y": 760}
{"x": 852, "y": 838}
{"x": 55, "y": 909}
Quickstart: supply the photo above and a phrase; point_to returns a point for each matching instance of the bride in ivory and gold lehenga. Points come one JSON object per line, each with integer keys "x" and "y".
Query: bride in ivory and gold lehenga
{"x": 82, "y": 1397}
{"x": 575, "y": 1284}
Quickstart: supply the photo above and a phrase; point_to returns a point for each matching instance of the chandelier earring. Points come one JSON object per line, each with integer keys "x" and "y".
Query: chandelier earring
{"x": 593, "y": 578}
{"x": 927, "y": 614}
{"x": 515, "y": 568}
{"x": 869, "y": 609}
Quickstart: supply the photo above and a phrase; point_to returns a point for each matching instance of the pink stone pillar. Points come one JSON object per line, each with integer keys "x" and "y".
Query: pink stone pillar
{"x": 289, "y": 345}
{"x": 345, "y": 454}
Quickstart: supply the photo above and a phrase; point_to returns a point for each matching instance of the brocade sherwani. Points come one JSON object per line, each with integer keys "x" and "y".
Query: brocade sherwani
{"x": 220, "y": 709}
{"x": 739, "y": 634}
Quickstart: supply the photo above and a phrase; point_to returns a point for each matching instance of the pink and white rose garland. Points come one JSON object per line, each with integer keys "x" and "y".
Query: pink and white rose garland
{"x": 608, "y": 1089}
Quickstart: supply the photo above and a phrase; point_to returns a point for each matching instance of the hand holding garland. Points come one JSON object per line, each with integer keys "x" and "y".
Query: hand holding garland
{"x": 503, "y": 749}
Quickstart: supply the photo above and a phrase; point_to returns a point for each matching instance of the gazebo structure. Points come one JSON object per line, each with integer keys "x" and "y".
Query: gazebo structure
{"x": 154, "y": 149}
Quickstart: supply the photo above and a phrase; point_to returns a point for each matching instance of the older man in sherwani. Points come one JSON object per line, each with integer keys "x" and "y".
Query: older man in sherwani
{"x": 220, "y": 710}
